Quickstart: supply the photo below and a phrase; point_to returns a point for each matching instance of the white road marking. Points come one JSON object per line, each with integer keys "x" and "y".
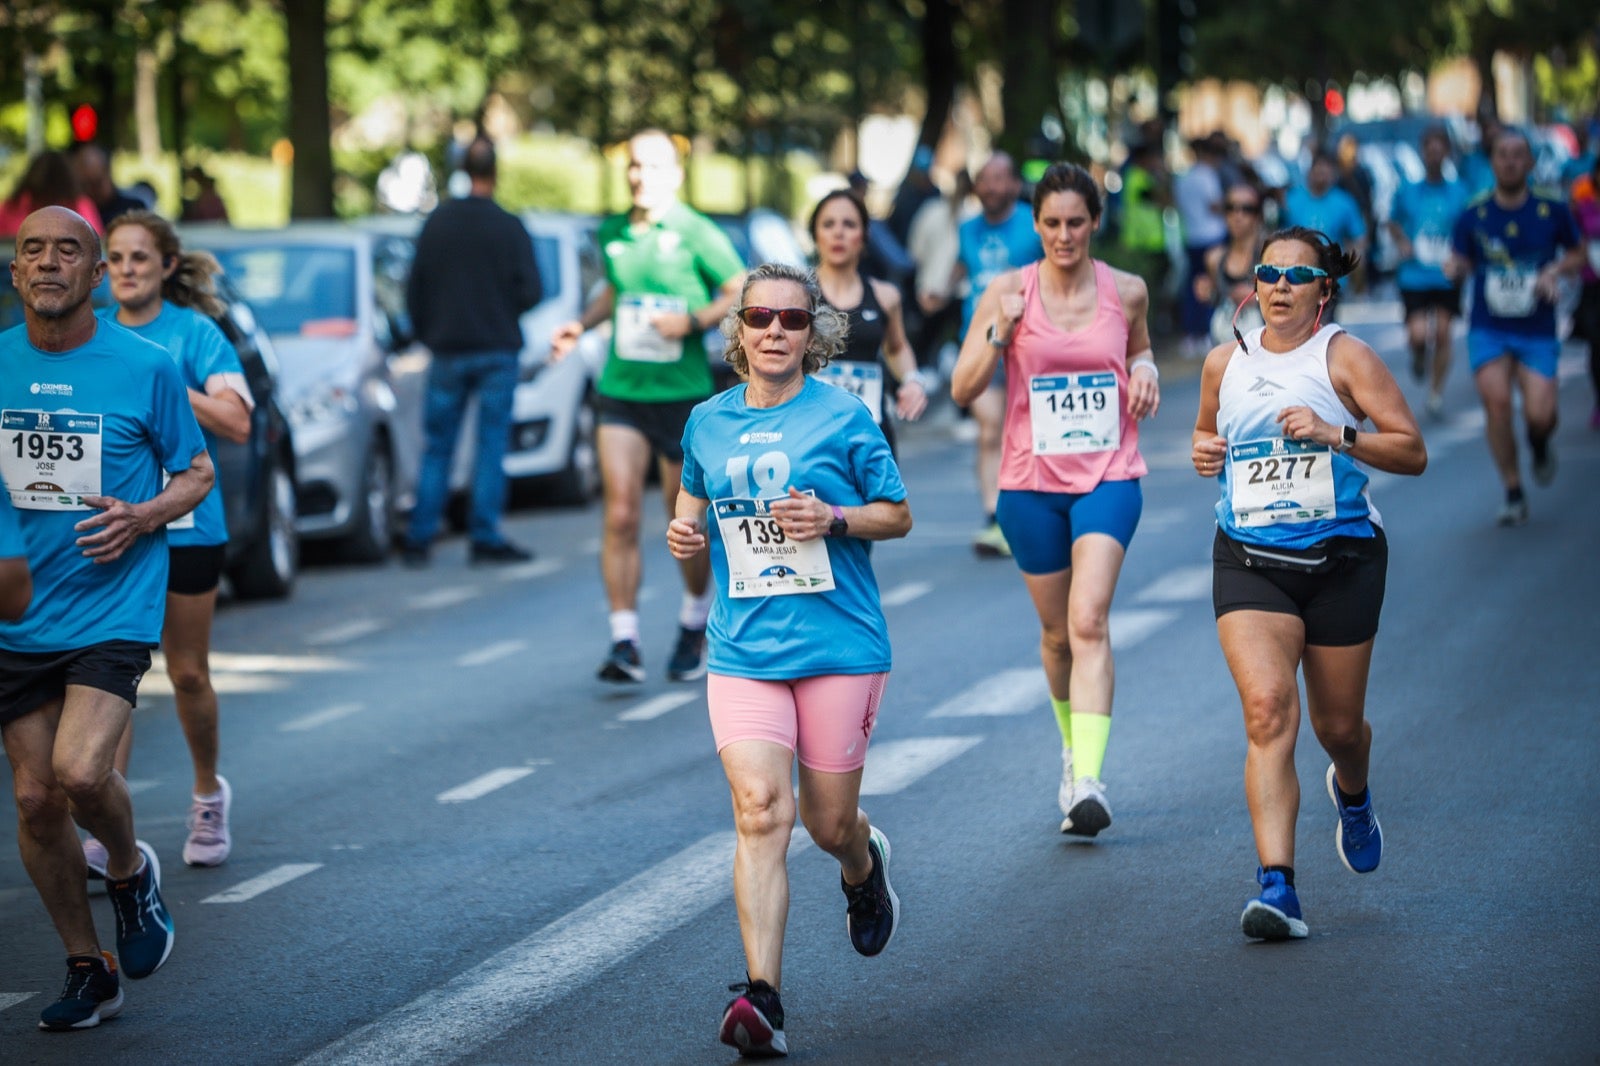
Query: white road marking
{"x": 445, "y": 597}
{"x": 894, "y": 764}
{"x": 528, "y": 571}
{"x": 273, "y": 878}
{"x": 1008, "y": 692}
{"x": 904, "y": 594}
{"x": 345, "y": 632}
{"x": 1178, "y": 586}
{"x": 482, "y": 786}
{"x": 141, "y": 784}
{"x": 11, "y": 999}
{"x": 321, "y": 718}
{"x": 657, "y": 707}
{"x": 449, "y": 1023}
{"x": 1131, "y": 626}
{"x": 492, "y": 653}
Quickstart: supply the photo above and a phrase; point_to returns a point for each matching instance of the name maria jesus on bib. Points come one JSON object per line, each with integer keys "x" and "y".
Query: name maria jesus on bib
{"x": 762, "y": 559}
{"x": 1278, "y": 480}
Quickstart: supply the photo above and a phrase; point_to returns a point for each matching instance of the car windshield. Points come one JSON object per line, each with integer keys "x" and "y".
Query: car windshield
{"x": 296, "y": 289}
{"x": 547, "y": 260}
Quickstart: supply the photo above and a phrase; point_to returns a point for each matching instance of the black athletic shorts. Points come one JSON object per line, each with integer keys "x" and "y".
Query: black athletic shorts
{"x": 195, "y": 569}
{"x": 661, "y": 423}
{"x": 1428, "y": 299}
{"x": 1339, "y": 608}
{"x": 29, "y": 680}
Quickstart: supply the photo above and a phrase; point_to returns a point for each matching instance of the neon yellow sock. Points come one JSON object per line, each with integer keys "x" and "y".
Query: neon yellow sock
{"x": 1063, "y": 709}
{"x": 1089, "y": 735}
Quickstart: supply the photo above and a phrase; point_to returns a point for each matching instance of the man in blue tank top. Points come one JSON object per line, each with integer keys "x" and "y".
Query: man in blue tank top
{"x": 1515, "y": 242}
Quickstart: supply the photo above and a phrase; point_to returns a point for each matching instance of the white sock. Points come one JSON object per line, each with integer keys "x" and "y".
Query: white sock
{"x": 695, "y": 610}
{"x": 625, "y": 626}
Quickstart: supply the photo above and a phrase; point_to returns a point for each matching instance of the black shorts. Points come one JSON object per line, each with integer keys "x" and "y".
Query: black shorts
{"x": 1340, "y": 608}
{"x": 1430, "y": 299}
{"x": 661, "y": 423}
{"x": 29, "y": 680}
{"x": 195, "y": 569}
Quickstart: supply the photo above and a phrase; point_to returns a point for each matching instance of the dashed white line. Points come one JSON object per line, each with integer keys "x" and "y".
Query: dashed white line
{"x": 11, "y": 999}
{"x": 528, "y": 571}
{"x": 492, "y": 653}
{"x": 142, "y": 784}
{"x": 1178, "y": 586}
{"x": 1130, "y": 627}
{"x": 657, "y": 707}
{"x": 273, "y": 878}
{"x": 894, "y": 764}
{"x": 451, "y": 1022}
{"x": 445, "y": 597}
{"x": 345, "y": 631}
{"x": 904, "y": 594}
{"x": 485, "y": 784}
{"x": 1008, "y": 692}
{"x": 321, "y": 718}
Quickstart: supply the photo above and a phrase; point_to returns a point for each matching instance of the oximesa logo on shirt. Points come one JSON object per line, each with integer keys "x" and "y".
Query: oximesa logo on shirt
{"x": 48, "y": 388}
{"x": 760, "y": 437}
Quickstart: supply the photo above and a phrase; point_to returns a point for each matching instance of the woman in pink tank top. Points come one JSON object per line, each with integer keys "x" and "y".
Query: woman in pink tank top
{"x": 1079, "y": 376}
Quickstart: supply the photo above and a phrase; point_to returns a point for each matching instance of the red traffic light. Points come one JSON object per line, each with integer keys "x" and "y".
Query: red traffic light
{"x": 1333, "y": 101}
{"x": 85, "y": 123}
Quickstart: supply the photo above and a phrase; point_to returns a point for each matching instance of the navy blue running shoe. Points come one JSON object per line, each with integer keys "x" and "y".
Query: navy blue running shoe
{"x": 873, "y": 908}
{"x": 144, "y": 926}
{"x": 753, "y": 1022}
{"x": 91, "y": 995}
{"x": 1275, "y": 914}
{"x": 1359, "y": 836}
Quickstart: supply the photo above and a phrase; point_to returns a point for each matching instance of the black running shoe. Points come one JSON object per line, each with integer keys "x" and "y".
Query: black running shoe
{"x": 688, "y": 662}
{"x": 91, "y": 995}
{"x": 753, "y": 1022}
{"x": 622, "y": 664}
{"x": 144, "y": 926}
{"x": 873, "y": 908}
{"x": 502, "y": 552}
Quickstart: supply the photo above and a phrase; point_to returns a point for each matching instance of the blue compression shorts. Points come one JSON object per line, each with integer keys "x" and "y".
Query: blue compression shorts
{"x": 1538, "y": 354}
{"x": 1041, "y": 526}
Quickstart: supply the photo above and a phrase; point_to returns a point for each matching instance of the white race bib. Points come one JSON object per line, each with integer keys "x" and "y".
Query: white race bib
{"x": 1278, "y": 480}
{"x": 1430, "y": 249}
{"x": 637, "y": 339}
{"x": 864, "y": 381}
{"x": 50, "y": 459}
{"x": 184, "y": 522}
{"x": 1075, "y": 413}
{"x": 1508, "y": 292}
{"x": 762, "y": 560}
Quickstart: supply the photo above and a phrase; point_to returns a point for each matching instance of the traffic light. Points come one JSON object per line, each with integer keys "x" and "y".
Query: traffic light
{"x": 85, "y": 123}
{"x": 1333, "y": 101}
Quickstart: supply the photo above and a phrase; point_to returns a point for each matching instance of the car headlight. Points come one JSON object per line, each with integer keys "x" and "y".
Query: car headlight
{"x": 323, "y": 404}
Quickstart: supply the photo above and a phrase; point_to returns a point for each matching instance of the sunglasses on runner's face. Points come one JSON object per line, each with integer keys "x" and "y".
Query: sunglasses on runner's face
{"x": 1297, "y": 275}
{"x": 1242, "y": 209}
{"x": 793, "y": 319}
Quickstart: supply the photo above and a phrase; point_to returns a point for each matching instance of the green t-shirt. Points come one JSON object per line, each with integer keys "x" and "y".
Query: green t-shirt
{"x": 675, "y": 264}
{"x": 1141, "y": 215}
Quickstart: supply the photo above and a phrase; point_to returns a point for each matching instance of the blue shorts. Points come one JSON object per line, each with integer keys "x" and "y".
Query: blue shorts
{"x": 1041, "y": 526}
{"x": 1538, "y": 354}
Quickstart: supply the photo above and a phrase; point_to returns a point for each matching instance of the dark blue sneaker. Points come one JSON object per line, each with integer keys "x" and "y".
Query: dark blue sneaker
{"x": 688, "y": 662}
{"x": 144, "y": 927}
{"x": 1359, "y": 836}
{"x": 622, "y": 665}
{"x": 753, "y": 1022}
{"x": 873, "y": 908}
{"x": 91, "y": 995}
{"x": 1275, "y": 914}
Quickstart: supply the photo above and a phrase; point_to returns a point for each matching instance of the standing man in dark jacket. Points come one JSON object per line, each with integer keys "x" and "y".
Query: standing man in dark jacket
{"x": 473, "y": 277}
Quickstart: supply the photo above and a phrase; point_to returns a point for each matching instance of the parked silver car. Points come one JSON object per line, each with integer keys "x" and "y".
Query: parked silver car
{"x": 324, "y": 292}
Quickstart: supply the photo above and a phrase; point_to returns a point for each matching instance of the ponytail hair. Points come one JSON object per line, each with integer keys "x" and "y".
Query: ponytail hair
{"x": 190, "y": 285}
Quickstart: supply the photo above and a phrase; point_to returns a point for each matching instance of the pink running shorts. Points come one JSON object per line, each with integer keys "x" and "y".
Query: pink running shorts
{"x": 826, "y": 721}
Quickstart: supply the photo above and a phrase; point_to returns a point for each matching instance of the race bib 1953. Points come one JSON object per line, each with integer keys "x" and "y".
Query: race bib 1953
{"x": 50, "y": 459}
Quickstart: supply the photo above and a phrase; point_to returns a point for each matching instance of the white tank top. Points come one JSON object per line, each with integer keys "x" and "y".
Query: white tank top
{"x": 1286, "y": 493}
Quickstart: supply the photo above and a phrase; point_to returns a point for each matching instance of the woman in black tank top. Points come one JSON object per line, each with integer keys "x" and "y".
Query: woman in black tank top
{"x": 877, "y": 338}
{"x": 1229, "y": 279}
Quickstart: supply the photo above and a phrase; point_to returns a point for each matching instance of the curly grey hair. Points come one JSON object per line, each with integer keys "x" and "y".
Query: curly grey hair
{"x": 828, "y": 326}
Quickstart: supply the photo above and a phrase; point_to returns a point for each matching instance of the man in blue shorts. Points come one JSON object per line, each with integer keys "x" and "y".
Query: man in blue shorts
{"x": 92, "y": 418}
{"x": 1515, "y": 242}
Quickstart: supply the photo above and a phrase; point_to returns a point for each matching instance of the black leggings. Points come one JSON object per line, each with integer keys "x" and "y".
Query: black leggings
{"x": 1587, "y": 326}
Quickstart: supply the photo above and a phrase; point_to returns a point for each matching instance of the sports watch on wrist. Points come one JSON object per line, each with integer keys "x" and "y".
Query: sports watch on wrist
{"x": 838, "y": 527}
{"x": 1347, "y": 438}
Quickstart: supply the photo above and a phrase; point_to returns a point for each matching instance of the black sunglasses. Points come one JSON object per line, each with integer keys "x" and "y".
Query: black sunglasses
{"x": 1244, "y": 209}
{"x": 793, "y": 319}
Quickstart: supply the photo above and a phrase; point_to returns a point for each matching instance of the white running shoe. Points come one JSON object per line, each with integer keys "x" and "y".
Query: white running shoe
{"x": 1090, "y": 811}
{"x": 95, "y": 857}
{"x": 1064, "y": 794}
{"x": 209, "y": 840}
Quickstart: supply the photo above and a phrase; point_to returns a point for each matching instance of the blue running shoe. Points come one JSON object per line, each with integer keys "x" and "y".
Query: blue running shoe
{"x": 1359, "y": 836}
{"x": 91, "y": 995}
{"x": 873, "y": 908}
{"x": 1275, "y": 914}
{"x": 144, "y": 926}
{"x": 753, "y": 1021}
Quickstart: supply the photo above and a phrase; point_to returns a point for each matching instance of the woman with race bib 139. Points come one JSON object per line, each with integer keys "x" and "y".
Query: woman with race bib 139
{"x": 1291, "y": 416}
{"x": 1079, "y": 376}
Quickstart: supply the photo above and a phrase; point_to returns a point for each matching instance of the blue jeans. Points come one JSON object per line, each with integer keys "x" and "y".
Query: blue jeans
{"x": 452, "y": 379}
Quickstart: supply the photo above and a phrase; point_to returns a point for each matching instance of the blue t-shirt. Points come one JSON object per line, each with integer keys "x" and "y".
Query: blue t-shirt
{"x": 822, "y": 441}
{"x": 12, "y": 546}
{"x": 1507, "y": 250}
{"x": 105, "y": 419}
{"x": 200, "y": 350}
{"x": 989, "y": 250}
{"x": 1426, "y": 211}
{"x": 1334, "y": 212}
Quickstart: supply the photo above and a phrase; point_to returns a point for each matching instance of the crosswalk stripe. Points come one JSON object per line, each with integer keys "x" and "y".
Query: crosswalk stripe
{"x": 1008, "y": 692}
{"x": 449, "y": 1023}
{"x": 492, "y": 653}
{"x": 657, "y": 707}
{"x": 894, "y": 764}
{"x": 321, "y": 718}
{"x": 252, "y": 888}
{"x": 481, "y": 786}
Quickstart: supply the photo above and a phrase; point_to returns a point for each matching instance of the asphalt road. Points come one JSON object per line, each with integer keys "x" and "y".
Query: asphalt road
{"x": 452, "y": 844}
